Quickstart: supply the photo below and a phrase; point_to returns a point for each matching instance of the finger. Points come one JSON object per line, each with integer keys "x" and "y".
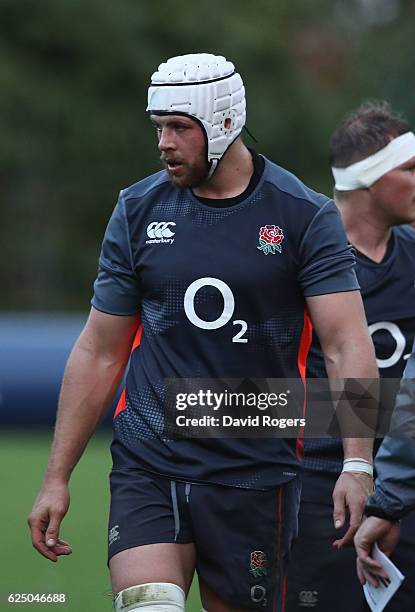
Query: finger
{"x": 354, "y": 524}
{"x": 371, "y": 578}
{"x": 61, "y": 552}
{"x": 52, "y": 531}
{"x": 62, "y": 548}
{"x": 339, "y": 511}
{"x": 374, "y": 577}
{"x": 373, "y": 567}
{"x": 51, "y": 553}
{"x": 346, "y": 539}
{"x": 38, "y": 541}
{"x": 62, "y": 543}
{"x": 37, "y": 529}
{"x": 360, "y": 574}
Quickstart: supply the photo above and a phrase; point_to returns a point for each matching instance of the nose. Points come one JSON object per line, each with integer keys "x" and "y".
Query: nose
{"x": 166, "y": 139}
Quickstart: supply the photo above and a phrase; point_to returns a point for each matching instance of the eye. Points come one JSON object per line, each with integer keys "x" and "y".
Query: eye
{"x": 179, "y": 127}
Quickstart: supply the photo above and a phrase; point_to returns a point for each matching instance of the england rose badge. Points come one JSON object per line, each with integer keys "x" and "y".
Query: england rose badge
{"x": 270, "y": 239}
{"x": 259, "y": 563}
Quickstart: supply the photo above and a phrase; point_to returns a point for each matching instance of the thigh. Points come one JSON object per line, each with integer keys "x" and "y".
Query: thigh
{"x": 319, "y": 577}
{"x": 243, "y": 538}
{"x": 149, "y": 535}
{"x": 173, "y": 563}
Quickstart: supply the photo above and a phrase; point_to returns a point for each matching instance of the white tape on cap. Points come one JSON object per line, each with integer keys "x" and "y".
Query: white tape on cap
{"x": 366, "y": 172}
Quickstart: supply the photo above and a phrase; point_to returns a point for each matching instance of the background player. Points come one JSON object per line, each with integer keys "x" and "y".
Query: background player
{"x": 394, "y": 497}
{"x": 373, "y": 155}
{"x": 210, "y": 268}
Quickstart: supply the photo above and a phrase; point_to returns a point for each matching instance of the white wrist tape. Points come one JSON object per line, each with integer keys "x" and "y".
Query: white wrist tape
{"x": 151, "y": 597}
{"x": 357, "y": 464}
{"x": 367, "y": 171}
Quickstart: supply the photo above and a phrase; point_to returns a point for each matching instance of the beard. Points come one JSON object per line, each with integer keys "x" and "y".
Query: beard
{"x": 186, "y": 175}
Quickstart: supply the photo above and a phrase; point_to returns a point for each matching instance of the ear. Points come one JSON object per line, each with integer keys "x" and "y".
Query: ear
{"x": 227, "y": 123}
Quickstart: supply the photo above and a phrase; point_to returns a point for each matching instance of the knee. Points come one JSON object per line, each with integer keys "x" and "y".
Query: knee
{"x": 151, "y": 597}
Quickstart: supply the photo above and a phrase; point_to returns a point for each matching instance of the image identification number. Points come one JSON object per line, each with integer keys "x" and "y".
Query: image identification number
{"x": 36, "y": 598}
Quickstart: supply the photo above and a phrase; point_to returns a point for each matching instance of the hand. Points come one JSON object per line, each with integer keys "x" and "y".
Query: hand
{"x": 386, "y": 534}
{"x": 47, "y": 513}
{"x": 351, "y": 492}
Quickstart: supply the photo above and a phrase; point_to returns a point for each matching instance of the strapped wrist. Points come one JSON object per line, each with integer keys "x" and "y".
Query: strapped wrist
{"x": 358, "y": 465}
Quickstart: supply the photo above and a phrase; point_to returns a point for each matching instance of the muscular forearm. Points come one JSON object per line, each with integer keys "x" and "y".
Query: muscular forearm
{"x": 89, "y": 385}
{"x": 341, "y": 326}
{"x": 92, "y": 375}
{"x": 353, "y": 374}
{"x": 358, "y": 447}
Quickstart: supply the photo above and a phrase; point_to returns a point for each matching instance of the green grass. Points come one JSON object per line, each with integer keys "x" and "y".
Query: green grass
{"x": 83, "y": 576}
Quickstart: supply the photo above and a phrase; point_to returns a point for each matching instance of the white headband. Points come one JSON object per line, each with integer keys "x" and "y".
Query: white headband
{"x": 366, "y": 172}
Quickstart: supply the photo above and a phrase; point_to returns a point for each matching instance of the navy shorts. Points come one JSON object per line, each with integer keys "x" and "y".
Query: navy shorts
{"x": 242, "y": 536}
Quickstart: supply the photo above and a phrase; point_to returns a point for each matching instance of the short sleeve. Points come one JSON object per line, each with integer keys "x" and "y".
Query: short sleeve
{"x": 326, "y": 259}
{"x": 116, "y": 288}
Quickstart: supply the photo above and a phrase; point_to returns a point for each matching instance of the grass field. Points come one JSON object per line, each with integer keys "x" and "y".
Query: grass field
{"x": 83, "y": 576}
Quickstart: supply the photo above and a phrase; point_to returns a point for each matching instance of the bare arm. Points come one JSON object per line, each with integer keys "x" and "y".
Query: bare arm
{"x": 340, "y": 323}
{"x": 92, "y": 376}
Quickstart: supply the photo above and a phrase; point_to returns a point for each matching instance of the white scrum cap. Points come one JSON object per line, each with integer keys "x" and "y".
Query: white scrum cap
{"x": 206, "y": 87}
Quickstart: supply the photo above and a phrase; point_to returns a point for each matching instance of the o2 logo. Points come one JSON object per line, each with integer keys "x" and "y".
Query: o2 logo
{"x": 228, "y": 307}
{"x": 258, "y": 595}
{"x": 398, "y": 337}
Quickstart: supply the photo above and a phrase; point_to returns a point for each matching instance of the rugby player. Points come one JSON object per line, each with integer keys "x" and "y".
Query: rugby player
{"x": 394, "y": 497}
{"x": 213, "y": 267}
{"x": 373, "y": 158}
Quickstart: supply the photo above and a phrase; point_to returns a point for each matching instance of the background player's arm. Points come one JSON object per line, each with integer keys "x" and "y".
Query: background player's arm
{"x": 340, "y": 323}
{"x": 92, "y": 375}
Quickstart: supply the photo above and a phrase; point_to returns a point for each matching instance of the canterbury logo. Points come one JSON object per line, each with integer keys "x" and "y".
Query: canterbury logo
{"x": 308, "y": 599}
{"x": 160, "y": 230}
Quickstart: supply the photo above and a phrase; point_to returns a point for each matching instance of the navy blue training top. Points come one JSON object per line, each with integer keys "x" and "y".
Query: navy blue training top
{"x": 388, "y": 291}
{"x": 221, "y": 293}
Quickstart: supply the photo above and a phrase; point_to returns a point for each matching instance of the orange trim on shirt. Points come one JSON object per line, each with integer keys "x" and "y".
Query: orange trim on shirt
{"x": 305, "y": 343}
{"x": 137, "y": 339}
{"x": 122, "y": 402}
